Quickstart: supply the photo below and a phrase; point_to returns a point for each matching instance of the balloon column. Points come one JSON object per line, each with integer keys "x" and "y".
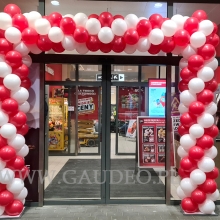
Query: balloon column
{"x": 193, "y": 37}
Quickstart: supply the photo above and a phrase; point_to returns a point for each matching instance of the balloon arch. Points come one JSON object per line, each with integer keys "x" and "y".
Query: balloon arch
{"x": 193, "y": 37}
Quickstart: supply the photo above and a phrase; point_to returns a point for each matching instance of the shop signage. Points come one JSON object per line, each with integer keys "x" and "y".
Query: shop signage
{"x": 114, "y": 77}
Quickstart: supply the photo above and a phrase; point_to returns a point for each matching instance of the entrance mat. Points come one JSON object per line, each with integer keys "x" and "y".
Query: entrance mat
{"x": 81, "y": 178}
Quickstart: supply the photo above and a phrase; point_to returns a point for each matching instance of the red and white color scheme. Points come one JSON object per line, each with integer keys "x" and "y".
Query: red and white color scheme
{"x": 192, "y": 37}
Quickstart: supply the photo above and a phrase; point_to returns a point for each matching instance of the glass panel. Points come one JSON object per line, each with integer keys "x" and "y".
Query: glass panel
{"x": 90, "y": 73}
{"x": 125, "y": 73}
{"x": 148, "y": 72}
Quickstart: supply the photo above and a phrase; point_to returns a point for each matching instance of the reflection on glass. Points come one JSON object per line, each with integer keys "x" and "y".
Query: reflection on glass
{"x": 125, "y": 73}
{"x": 90, "y": 73}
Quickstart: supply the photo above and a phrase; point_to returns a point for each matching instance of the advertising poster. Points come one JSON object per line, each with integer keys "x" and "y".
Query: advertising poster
{"x": 132, "y": 129}
{"x": 157, "y": 94}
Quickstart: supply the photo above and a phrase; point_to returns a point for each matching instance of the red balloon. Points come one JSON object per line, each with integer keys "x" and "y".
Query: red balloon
{"x": 22, "y": 71}
{"x": 206, "y": 96}
{"x": 81, "y": 35}
{"x": 10, "y": 105}
{"x": 156, "y": 20}
{"x": 213, "y": 40}
{"x": 195, "y": 62}
{"x": 212, "y": 131}
{"x": 3, "y": 142}
{"x": 16, "y": 164}
{"x": 191, "y": 25}
{"x": 182, "y": 86}
{"x": 131, "y": 36}
{"x": 26, "y": 83}
{"x": 182, "y": 173}
{"x": 106, "y": 48}
{"x": 187, "y": 164}
{"x": 67, "y": 25}
{"x": 23, "y": 173}
{"x": 58, "y": 47}
{"x": 118, "y": 44}
{"x": 55, "y": 19}
{"x": 7, "y": 153}
{"x": 12, "y": 9}
{"x": 167, "y": 45}
{"x": 198, "y": 196}
{"x": 93, "y": 16}
{"x": 188, "y": 205}
{"x": 118, "y": 16}
{"x": 215, "y": 28}
{"x": 196, "y": 153}
{"x": 200, "y": 15}
{"x": 6, "y": 197}
{"x": 2, "y": 187}
{"x": 183, "y": 130}
{"x": 5, "y": 46}
{"x": 23, "y": 129}
{"x": 20, "y": 22}
{"x": 213, "y": 174}
{"x": 211, "y": 85}
{"x": 106, "y": 19}
{"x": 29, "y": 36}
{"x": 18, "y": 119}
{"x": 154, "y": 49}
{"x": 14, "y": 59}
{"x": 187, "y": 119}
{"x": 143, "y": 28}
{"x": 2, "y": 33}
{"x": 181, "y": 38}
{"x": 186, "y": 75}
{"x": 4, "y": 93}
{"x": 209, "y": 186}
{"x": 207, "y": 51}
{"x": 196, "y": 108}
{"x": 1, "y": 81}
{"x": 205, "y": 142}
{"x": 14, "y": 208}
{"x": 44, "y": 43}
{"x": 93, "y": 43}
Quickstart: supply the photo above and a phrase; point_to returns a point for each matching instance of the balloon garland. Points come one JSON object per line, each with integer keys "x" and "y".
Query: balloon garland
{"x": 195, "y": 38}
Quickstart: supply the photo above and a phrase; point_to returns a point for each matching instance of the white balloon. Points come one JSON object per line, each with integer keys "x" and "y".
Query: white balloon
{"x": 183, "y": 63}
{"x": 24, "y": 107}
{"x": 206, "y": 120}
{"x": 80, "y": 19}
{"x": 15, "y": 186}
{"x": 12, "y": 82}
{"x": 186, "y": 97}
{"x": 93, "y": 26}
{"x": 169, "y": 28}
{"x": 187, "y": 186}
{"x": 180, "y": 193}
{"x": 119, "y": 27}
{"x": 206, "y": 27}
{"x": 177, "y": 51}
{"x": 6, "y": 176}
{"x": 213, "y": 63}
{"x": 211, "y": 108}
{"x": 22, "y": 48}
{"x": 197, "y": 39}
{"x": 27, "y": 60}
{"x": 13, "y": 35}
{"x": 8, "y": 131}
{"x": 131, "y": 20}
{"x": 130, "y": 49}
{"x": 5, "y": 69}
{"x": 3, "y": 118}
{"x": 197, "y": 177}
{"x": 207, "y": 207}
{"x": 182, "y": 108}
{"x": 206, "y": 164}
{"x": 181, "y": 152}
{"x": 214, "y": 196}
{"x": 2, "y": 58}
{"x": 156, "y": 36}
{"x": 69, "y": 15}
{"x": 17, "y": 142}
{"x": 2, "y": 210}
{"x": 106, "y": 35}
{"x": 188, "y": 51}
{"x": 187, "y": 141}
{"x": 5, "y": 21}
{"x": 196, "y": 85}
{"x": 2, "y": 164}
{"x": 23, "y": 152}
{"x": 55, "y": 34}
{"x": 21, "y": 195}
{"x": 42, "y": 26}
{"x": 143, "y": 44}
{"x": 34, "y": 49}
{"x": 81, "y": 48}
{"x": 32, "y": 17}
{"x": 206, "y": 74}
{"x": 179, "y": 20}
{"x": 196, "y": 131}
{"x": 68, "y": 43}
{"x": 211, "y": 152}
{"x": 21, "y": 95}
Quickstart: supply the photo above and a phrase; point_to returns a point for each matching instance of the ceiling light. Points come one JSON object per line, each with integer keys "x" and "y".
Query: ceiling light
{"x": 55, "y": 3}
{"x": 158, "y": 5}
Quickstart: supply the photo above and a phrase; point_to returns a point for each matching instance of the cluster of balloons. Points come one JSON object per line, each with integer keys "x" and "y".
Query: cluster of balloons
{"x": 14, "y": 85}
